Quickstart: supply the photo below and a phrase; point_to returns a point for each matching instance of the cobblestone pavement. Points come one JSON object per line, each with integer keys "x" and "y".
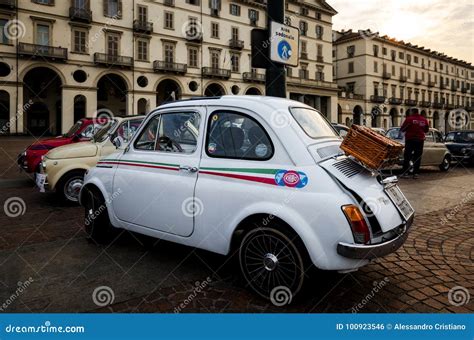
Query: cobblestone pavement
{"x": 48, "y": 265}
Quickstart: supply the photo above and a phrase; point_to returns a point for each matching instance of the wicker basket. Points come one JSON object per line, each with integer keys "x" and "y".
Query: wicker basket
{"x": 371, "y": 148}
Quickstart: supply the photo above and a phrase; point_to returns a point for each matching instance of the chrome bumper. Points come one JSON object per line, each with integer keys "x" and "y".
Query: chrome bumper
{"x": 372, "y": 251}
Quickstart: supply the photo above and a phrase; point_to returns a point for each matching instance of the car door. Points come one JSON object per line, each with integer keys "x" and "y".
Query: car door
{"x": 157, "y": 173}
{"x": 429, "y": 150}
{"x": 439, "y": 147}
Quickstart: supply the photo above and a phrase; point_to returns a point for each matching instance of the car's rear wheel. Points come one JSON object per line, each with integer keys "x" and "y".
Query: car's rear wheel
{"x": 446, "y": 164}
{"x": 272, "y": 262}
{"x": 70, "y": 186}
{"x": 96, "y": 218}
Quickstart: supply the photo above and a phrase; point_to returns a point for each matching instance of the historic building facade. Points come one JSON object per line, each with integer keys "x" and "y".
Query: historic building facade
{"x": 63, "y": 60}
{"x": 379, "y": 78}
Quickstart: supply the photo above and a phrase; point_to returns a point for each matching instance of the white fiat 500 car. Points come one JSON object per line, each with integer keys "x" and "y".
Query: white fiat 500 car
{"x": 260, "y": 177}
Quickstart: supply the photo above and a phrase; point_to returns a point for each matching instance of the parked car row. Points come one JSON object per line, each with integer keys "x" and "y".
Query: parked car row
{"x": 219, "y": 174}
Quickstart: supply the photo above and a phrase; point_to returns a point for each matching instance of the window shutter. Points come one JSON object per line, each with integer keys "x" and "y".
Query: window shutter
{"x": 106, "y": 8}
{"x": 120, "y": 13}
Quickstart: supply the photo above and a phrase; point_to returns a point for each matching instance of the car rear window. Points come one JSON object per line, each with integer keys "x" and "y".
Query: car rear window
{"x": 313, "y": 123}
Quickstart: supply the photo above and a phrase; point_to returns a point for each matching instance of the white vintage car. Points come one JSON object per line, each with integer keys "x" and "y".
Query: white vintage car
{"x": 260, "y": 177}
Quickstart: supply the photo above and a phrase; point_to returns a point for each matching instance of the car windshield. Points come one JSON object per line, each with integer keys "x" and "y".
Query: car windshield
{"x": 313, "y": 123}
{"x": 396, "y": 134}
{"x": 103, "y": 132}
{"x": 460, "y": 137}
{"x": 73, "y": 130}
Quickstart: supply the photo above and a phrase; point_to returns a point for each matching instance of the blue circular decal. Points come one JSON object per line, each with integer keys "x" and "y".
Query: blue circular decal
{"x": 291, "y": 178}
{"x": 284, "y": 50}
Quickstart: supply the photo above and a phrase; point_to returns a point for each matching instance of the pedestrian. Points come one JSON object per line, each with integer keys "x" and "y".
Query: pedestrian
{"x": 415, "y": 126}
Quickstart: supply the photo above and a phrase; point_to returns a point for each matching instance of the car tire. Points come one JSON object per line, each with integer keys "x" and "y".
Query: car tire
{"x": 70, "y": 185}
{"x": 446, "y": 164}
{"x": 260, "y": 257}
{"x": 96, "y": 217}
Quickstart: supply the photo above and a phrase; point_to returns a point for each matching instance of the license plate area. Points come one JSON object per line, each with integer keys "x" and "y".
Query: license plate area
{"x": 400, "y": 201}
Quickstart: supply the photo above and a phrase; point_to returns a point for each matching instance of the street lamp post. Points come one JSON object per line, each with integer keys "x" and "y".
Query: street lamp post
{"x": 275, "y": 83}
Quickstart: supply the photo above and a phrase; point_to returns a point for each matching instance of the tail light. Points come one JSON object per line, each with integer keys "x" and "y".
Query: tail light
{"x": 359, "y": 226}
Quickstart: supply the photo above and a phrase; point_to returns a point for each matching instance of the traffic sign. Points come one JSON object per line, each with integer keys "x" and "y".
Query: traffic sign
{"x": 284, "y": 44}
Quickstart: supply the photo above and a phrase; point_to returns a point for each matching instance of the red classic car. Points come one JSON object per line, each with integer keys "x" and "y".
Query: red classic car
{"x": 83, "y": 130}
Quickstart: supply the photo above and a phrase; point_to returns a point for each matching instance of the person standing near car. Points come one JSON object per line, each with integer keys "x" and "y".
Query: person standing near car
{"x": 415, "y": 126}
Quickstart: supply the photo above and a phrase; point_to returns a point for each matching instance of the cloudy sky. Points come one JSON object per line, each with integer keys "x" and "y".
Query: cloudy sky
{"x": 443, "y": 25}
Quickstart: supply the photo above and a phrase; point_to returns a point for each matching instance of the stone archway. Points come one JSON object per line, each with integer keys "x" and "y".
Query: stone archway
{"x": 168, "y": 90}
{"x": 142, "y": 106}
{"x": 436, "y": 120}
{"x": 253, "y": 91}
{"x": 4, "y": 112}
{"x": 42, "y": 95}
{"x": 214, "y": 90}
{"x": 394, "y": 121}
{"x": 112, "y": 94}
{"x": 357, "y": 114}
{"x": 79, "y": 107}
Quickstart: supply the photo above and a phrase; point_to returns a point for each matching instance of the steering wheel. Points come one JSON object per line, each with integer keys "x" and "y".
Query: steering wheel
{"x": 167, "y": 144}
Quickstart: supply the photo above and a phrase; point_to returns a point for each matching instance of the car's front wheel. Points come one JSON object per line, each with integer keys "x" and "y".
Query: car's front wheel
{"x": 272, "y": 263}
{"x": 70, "y": 186}
{"x": 96, "y": 218}
{"x": 446, "y": 164}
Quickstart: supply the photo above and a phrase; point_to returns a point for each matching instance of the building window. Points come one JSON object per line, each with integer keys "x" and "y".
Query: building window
{"x": 350, "y": 51}
{"x": 415, "y": 59}
{"x": 319, "y": 52}
{"x": 44, "y": 2}
{"x": 113, "y": 44}
{"x": 253, "y": 16}
{"x": 235, "y": 33}
{"x": 193, "y": 2}
{"x": 169, "y": 20}
{"x": 401, "y": 55}
{"x": 42, "y": 34}
{"x": 376, "y": 67}
{"x": 3, "y": 36}
{"x": 142, "y": 14}
{"x": 215, "y": 59}
{"x": 142, "y": 50}
{"x": 376, "y": 50}
{"x": 303, "y": 28}
{"x": 409, "y": 74}
{"x": 193, "y": 57}
{"x": 234, "y": 10}
{"x": 79, "y": 40}
{"x": 393, "y": 71}
{"x": 319, "y": 32}
{"x": 235, "y": 62}
{"x": 215, "y": 30}
{"x": 168, "y": 50}
{"x": 113, "y": 8}
{"x": 351, "y": 67}
{"x": 384, "y": 51}
{"x": 215, "y": 6}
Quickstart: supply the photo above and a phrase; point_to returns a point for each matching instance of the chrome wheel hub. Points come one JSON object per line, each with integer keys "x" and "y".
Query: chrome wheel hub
{"x": 73, "y": 188}
{"x": 270, "y": 262}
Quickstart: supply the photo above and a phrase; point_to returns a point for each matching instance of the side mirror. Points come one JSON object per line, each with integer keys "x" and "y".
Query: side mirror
{"x": 117, "y": 142}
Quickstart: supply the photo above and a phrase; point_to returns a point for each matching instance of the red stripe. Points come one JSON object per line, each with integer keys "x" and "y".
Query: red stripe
{"x": 141, "y": 165}
{"x": 243, "y": 177}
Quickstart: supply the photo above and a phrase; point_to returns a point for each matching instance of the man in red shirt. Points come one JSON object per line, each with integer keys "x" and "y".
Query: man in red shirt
{"x": 415, "y": 126}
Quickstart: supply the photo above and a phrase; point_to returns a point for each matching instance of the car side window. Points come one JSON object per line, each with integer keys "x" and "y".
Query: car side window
{"x": 450, "y": 137}
{"x": 89, "y": 131}
{"x": 126, "y": 130}
{"x": 438, "y": 137}
{"x": 237, "y": 136}
{"x": 429, "y": 137}
{"x": 175, "y": 132}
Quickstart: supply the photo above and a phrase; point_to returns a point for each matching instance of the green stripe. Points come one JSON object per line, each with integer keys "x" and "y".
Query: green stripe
{"x": 140, "y": 162}
{"x": 247, "y": 170}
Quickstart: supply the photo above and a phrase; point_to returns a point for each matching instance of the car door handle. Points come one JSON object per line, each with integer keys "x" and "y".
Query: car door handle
{"x": 188, "y": 168}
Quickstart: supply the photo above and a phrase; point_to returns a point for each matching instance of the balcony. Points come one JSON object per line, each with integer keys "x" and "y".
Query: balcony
{"x": 386, "y": 75}
{"x": 450, "y": 106}
{"x": 254, "y": 77}
{"x": 164, "y": 66}
{"x": 464, "y": 89}
{"x": 236, "y": 44}
{"x": 80, "y": 14}
{"x": 8, "y": 4}
{"x": 47, "y": 52}
{"x": 169, "y": 3}
{"x": 425, "y": 103}
{"x": 304, "y": 55}
{"x": 395, "y": 101}
{"x": 403, "y": 79}
{"x": 442, "y": 86}
{"x": 410, "y": 102}
{"x": 454, "y": 88}
{"x": 212, "y": 72}
{"x": 303, "y": 74}
{"x": 113, "y": 60}
{"x": 472, "y": 90}
{"x": 377, "y": 99}
{"x": 470, "y": 108}
{"x": 145, "y": 27}
{"x": 320, "y": 59}
{"x": 431, "y": 84}
{"x": 437, "y": 105}
{"x": 418, "y": 81}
